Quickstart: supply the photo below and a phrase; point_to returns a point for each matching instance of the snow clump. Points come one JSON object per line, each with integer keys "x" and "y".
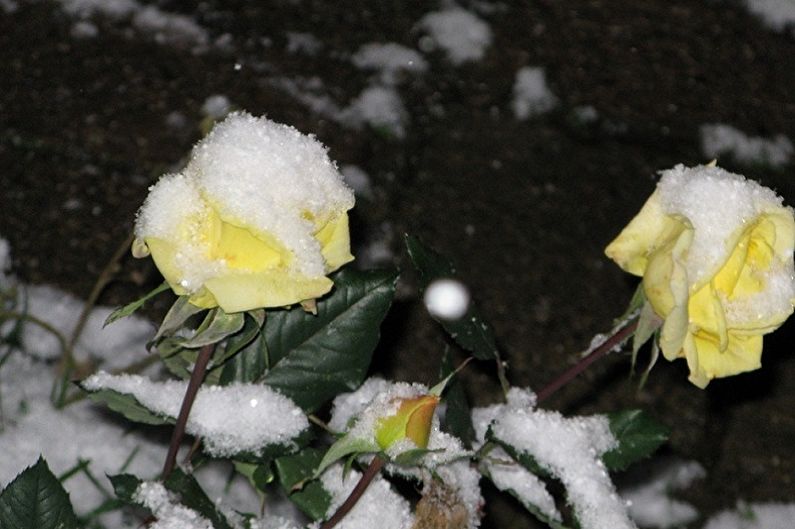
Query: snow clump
{"x": 684, "y": 191}
{"x": 461, "y": 35}
{"x": 568, "y": 448}
{"x": 263, "y": 417}
{"x": 390, "y": 60}
{"x": 447, "y": 299}
{"x": 718, "y": 139}
{"x": 778, "y": 15}
{"x": 379, "y": 504}
{"x": 531, "y": 95}
{"x": 379, "y": 107}
{"x": 754, "y": 516}
{"x": 264, "y": 175}
{"x": 169, "y": 514}
{"x": 649, "y": 498}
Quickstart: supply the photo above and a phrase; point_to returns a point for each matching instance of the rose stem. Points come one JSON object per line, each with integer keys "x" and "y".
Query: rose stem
{"x": 601, "y": 350}
{"x": 196, "y": 378}
{"x": 372, "y": 471}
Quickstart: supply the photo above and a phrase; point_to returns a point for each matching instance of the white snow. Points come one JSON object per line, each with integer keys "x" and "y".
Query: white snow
{"x": 776, "y": 14}
{"x": 262, "y": 416}
{"x": 9, "y": 6}
{"x": 257, "y": 173}
{"x": 754, "y": 516}
{"x": 216, "y": 106}
{"x": 531, "y": 94}
{"x": 504, "y": 472}
{"x": 112, "y": 347}
{"x": 570, "y": 449}
{"x": 169, "y": 513}
{"x": 115, "y": 9}
{"x": 305, "y": 43}
{"x": 358, "y": 180}
{"x": 447, "y": 299}
{"x": 378, "y": 505}
{"x": 162, "y": 26}
{"x": 718, "y": 139}
{"x": 684, "y": 191}
{"x": 170, "y": 28}
{"x": 390, "y": 60}
{"x": 378, "y": 106}
{"x": 461, "y": 35}
{"x": 650, "y": 501}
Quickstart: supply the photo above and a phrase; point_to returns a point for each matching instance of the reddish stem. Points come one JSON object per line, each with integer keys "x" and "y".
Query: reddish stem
{"x": 196, "y": 378}
{"x": 372, "y": 471}
{"x": 567, "y": 376}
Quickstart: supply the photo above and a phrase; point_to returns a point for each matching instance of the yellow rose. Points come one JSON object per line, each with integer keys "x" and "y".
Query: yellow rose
{"x": 716, "y": 255}
{"x": 412, "y": 421}
{"x": 257, "y": 218}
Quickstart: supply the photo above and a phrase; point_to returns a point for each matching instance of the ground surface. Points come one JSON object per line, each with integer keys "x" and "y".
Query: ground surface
{"x": 524, "y": 208}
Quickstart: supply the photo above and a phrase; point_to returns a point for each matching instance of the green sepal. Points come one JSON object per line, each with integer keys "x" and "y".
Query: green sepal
{"x": 345, "y": 446}
{"x": 216, "y": 326}
{"x": 179, "y": 313}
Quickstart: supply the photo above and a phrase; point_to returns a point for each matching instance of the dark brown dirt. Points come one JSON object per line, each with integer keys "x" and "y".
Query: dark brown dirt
{"x": 524, "y": 208}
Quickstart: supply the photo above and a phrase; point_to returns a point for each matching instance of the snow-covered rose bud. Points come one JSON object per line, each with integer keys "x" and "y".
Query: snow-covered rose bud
{"x": 412, "y": 420}
{"x": 716, "y": 255}
{"x": 257, "y": 218}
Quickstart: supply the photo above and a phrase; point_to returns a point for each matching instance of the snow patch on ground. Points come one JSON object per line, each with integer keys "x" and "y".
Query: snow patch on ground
{"x": 531, "y": 95}
{"x": 775, "y": 14}
{"x": 718, "y": 139}
{"x": 462, "y": 36}
{"x": 161, "y": 26}
{"x": 649, "y": 498}
{"x": 754, "y": 516}
{"x": 390, "y": 60}
{"x": 305, "y": 43}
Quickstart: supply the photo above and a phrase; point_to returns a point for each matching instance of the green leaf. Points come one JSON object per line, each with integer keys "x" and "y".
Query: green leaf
{"x": 128, "y": 309}
{"x": 249, "y": 365}
{"x": 215, "y": 327}
{"x": 314, "y": 358}
{"x": 125, "y": 486}
{"x": 638, "y": 435}
{"x": 471, "y": 331}
{"x": 253, "y": 322}
{"x": 259, "y": 475}
{"x": 192, "y": 496}
{"x": 179, "y": 313}
{"x": 36, "y": 500}
{"x": 458, "y": 418}
{"x": 637, "y": 301}
{"x": 128, "y": 406}
{"x": 293, "y": 471}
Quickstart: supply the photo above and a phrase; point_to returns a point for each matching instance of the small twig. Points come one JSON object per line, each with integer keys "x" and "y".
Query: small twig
{"x": 619, "y": 336}
{"x": 196, "y": 378}
{"x": 372, "y": 471}
{"x": 67, "y": 356}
